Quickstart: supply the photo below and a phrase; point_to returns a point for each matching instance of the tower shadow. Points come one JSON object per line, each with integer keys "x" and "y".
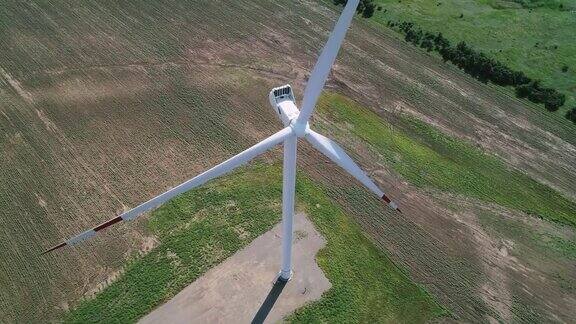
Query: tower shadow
{"x": 269, "y": 302}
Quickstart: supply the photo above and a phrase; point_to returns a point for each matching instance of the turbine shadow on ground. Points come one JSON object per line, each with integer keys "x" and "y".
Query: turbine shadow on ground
{"x": 269, "y": 302}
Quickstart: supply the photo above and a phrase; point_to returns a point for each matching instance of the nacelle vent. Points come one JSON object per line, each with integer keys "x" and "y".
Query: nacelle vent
{"x": 284, "y": 104}
{"x": 283, "y": 92}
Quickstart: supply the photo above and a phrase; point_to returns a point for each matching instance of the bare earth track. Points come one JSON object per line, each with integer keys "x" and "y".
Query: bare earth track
{"x": 242, "y": 288}
{"x": 104, "y": 105}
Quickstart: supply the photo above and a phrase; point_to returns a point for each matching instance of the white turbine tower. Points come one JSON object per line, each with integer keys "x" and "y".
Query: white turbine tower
{"x": 296, "y": 126}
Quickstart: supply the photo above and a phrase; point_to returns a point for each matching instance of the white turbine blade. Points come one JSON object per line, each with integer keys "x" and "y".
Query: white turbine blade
{"x": 325, "y": 61}
{"x": 200, "y": 179}
{"x": 335, "y": 153}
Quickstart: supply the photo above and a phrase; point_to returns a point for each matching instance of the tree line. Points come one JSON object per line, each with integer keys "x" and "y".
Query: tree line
{"x": 366, "y": 7}
{"x": 473, "y": 62}
{"x": 480, "y": 66}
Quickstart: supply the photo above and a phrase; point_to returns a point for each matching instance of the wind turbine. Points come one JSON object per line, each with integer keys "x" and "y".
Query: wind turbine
{"x": 295, "y": 126}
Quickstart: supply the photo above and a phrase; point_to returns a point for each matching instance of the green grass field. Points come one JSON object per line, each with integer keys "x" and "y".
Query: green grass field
{"x": 428, "y": 158}
{"x": 536, "y": 37}
{"x": 201, "y": 228}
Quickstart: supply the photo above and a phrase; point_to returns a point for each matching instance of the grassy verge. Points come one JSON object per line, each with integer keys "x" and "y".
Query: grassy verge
{"x": 546, "y": 242}
{"x": 367, "y": 286}
{"x": 201, "y": 228}
{"x": 537, "y": 39}
{"x": 196, "y": 231}
{"x": 428, "y": 158}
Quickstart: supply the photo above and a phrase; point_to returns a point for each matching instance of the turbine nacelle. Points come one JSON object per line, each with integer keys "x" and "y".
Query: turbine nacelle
{"x": 284, "y": 104}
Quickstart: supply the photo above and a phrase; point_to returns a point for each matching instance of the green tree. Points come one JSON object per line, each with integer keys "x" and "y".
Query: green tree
{"x": 571, "y": 115}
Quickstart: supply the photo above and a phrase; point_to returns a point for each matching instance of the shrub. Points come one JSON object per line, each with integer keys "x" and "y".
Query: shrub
{"x": 365, "y": 7}
{"x": 571, "y": 115}
{"x": 522, "y": 91}
{"x": 369, "y": 9}
{"x": 551, "y": 98}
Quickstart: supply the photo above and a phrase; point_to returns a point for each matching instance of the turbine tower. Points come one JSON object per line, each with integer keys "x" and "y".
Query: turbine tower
{"x": 295, "y": 126}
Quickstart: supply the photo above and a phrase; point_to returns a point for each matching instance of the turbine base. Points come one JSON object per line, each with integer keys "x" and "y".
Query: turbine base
{"x": 285, "y": 277}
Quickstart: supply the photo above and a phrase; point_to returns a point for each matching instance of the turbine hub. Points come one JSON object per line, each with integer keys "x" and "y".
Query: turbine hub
{"x": 300, "y": 129}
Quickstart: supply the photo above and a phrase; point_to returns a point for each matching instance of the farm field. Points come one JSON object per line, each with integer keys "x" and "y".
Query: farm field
{"x": 428, "y": 159}
{"x": 533, "y": 36}
{"x": 103, "y": 105}
{"x": 505, "y": 248}
{"x": 203, "y": 227}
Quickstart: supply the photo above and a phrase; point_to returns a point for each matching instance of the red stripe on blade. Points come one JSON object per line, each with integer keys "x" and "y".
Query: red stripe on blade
{"x": 386, "y": 199}
{"x": 108, "y": 223}
{"x": 63, "y": 244}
